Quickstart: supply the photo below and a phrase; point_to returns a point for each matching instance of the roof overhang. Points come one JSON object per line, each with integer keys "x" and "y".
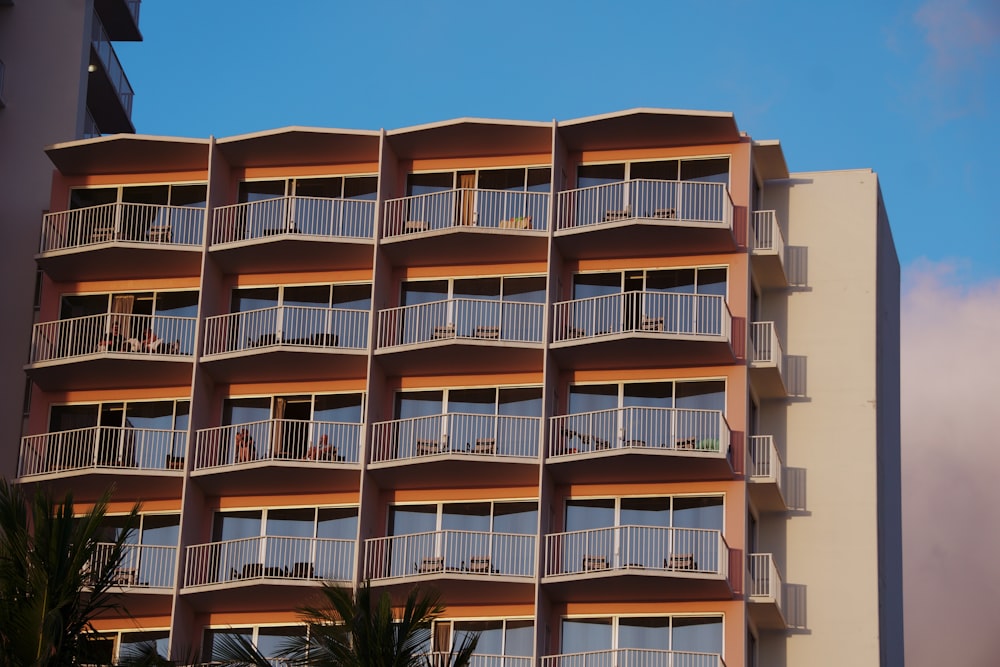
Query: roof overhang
{"x": 300, "y": 146}
{"x": 649, "y": 128}
{"x": 128, "y": 153}
{"x": 471, "y": 137}
{"x": 769, "y": 158}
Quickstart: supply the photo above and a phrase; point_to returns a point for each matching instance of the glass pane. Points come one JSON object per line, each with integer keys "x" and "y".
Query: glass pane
{"x": 518, "y": 518}
{"x": 711, "y": 170}
{"x": 176, "y": 304}
{"x": 466, "y": 516}
{"x": 645, "y": 512}
{"x": 585, "y": 634}
{"x": 698, "y": 512}
{"x": 599, "y": 174}
{"x": 530, "y": 289}
{"x": 680, "y": 281}
{"x": 424, "y": 291}
{"x": 661, "y": 170}
{"x": 409, "y": 519}
{"x": 245, "y": 410}
{"x": 501, "y": 179}
{"x": 361, "y": 187}
{"x": 338, "y": 523}
{"x": 161, "y": 529}
{"x": 702, "y": 395}
{"x": 697, "y": 634}
{"x": 648, "y": 394}
{"x": 254, "y": 298}
{"x": 539, "y": 179}
{"x": 712, "y": 281}
{"x": 189, "y": 195}
{"x": 80, "y": 306}
{"x": 338, "y": 408}
{"x": 586, "y": 285}
{"x": 490, "y": 635}
{"x": 590, "y": 397}
{"x": 69, "y": 417}
{"x": 520, "y": 638}
{"x": 418, "y": 404}
{"x": 258, "y": 190}
{"x": 307, "y": 295}
{"x": 150, "y": 414}
{"x": 521, "y": 402}
{"x": 590, "y": 514}
{"x": 291, "y": 522}
{"x": 353, "y": 297}
{"x": 84, "y": 197}
{"x": 648, "y": 633}
{"x": 134, "y": 645}
{"x": 419, "y": 184}
{"x": 146, "y": 194}
{"x": 477, "y": 288}
{"x": 271, "y": 641}
{"x": 329, "y": 188}
{"x": 212, "y": 647}
{"x": 474, "y": 401}
{"x": 236, "y": 525}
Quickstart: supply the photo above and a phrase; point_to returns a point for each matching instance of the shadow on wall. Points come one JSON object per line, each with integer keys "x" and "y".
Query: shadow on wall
{"x": 795, "y": 489}
{"x": 797, "y": 266}
{"x": 795, "y": 370}
{"x": 795, "y": 608}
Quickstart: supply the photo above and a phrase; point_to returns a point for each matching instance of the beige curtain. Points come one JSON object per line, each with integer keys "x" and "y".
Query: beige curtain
{"x": 468, "y": 206}
{"x": 121, "y": 309}
{"x": 277, "y": 432}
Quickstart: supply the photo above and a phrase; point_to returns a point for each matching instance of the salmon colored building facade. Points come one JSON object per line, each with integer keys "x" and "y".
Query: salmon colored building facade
{"x": 574, "y": 375}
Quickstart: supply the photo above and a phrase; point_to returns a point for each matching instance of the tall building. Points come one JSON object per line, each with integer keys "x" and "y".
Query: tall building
{"x": 622, "y": 388}
{"x": 60, "y": 79}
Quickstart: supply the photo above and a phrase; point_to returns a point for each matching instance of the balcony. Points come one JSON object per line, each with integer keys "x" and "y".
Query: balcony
{"x": 636, "y": 444}
{"x": 287, "y": 343}
{"x": 766, "y": 475}
{"x": 765, "y": 593}
{"x": 278, "y": 456}
{"x": 767, "y": 250}
{"x": 634, "y": 657}
{"x": 461, "y": 335}
{"x": 637, "y": 563}
{"x": 142, "y": 462}
{"x": 294, "y": 233}
{"x": 466, "y": 226}
{"x": 767, "y": 361}
{"x": 645, "y": 217}
{"x": 122, "y": 240}
{"x": 441, "y": 659}
{"x": 109, "y": 93}
{"x": 626, "y": 330}
{"x": 145, "y": 575}
{"x": 263, "y": 572}
{"x": 451, "y": 450}
{"x": 466, "y": 566}
{"x": 84, "y": 352}
{"x": 120, "y": 18}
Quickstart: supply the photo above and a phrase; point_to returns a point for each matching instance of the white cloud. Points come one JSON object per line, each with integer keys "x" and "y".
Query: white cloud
{"x": 958, "y": 32}
{"x": 951, "y": 466}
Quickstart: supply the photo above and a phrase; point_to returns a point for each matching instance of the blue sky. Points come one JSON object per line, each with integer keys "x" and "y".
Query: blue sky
{"x": 910, "y": 89}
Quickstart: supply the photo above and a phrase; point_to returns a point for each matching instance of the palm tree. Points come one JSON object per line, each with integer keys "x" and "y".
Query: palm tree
{"x": 54, "y": 576}
{"x": 357, "y": 630}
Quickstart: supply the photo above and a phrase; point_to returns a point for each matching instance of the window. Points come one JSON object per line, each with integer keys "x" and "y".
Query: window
{"x": 328, "y": 187}
{"x": 696, "y": 634}
{"x": 504, "y": 637}
{"x": 302, "y": 313}
{"x": 269, "y": 640}
{"x": 484, "y": 198}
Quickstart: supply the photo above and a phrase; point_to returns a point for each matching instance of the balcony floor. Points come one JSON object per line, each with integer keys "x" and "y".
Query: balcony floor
{"x": 640, "y": 465}
{"x": 259, "y": 595}
{"x": 279, "y": 477}
{"x": 466, "y": 245}
{"x": 462, "y": 588}
{"x": 107, "y": 370}
{"x": 89, "y": 483}
{"x": 636, "y": 349}
{"x": 294, "y": 252}
{"x": 644, "y": 237}
{"x": 766, "y": 495}
{"x": 121, "y": 260}
{"x": 442, "y": 471}
{"x": 769, "y": 270}
{"x": 286, "y": 362}
{"x": 766, "y": 613}
{"x": 638, "y": 585}
{"x": 460, "y": 355}
{"x": 767, "y": 380}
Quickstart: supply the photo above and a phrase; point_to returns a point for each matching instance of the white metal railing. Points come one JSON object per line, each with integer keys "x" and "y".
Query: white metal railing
{"x": 765, "y": 347}
{"x": 694, "y": 550}
{"x": 671, "y": 202}
{"x": 478, "y": 319}
{"x": 479, "y": 436}
{"x": 496, "y": 209}
{"x": 678, "y": 429}
{"x": 634, "y": 657}
{"x": 271, "y": 557}
{"x": 441, "y": 659}
{"x": 303, "y": 326}
{"x": 277, "y": 440}
{"x": 101, "y": 447}
{"x": 665, "y": 313}
{"x": 313, "y": 216}
{"x": 452, "y": 551}
{"x": 145, "y": 224}
{"x": 142, "y": 565}
{"x": 766, "y": 236}
{"x": 133, "y": 335}
{"x": 765, "y": 580}
{"x": 113, "y": 67}
{"x": 765, "y": 462}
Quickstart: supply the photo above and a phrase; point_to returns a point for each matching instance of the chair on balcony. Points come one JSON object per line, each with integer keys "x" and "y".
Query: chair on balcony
{"x": 430, "y": 564}
{"x": 411, "y": 226}
{"x": 680, "y": 561}
{"x": 487, "y": 331}
{"x": 174, "y": 462}
{"x": 103, "y": 234}
{"x": 480, "y": 565}
{"x": 665, "y": 213}
{"x": 618, "y": 214}
{"x": 591, "y": 563}
{"x": 160, "y": 234}
{"x": 517, "y": 222}
{"x": 651, "y": 324}
{"x": 427, "y": 447}
{"x": 484, "y": 446}
{"x": 303, "y": 570}
{"x": 443, "y": 331}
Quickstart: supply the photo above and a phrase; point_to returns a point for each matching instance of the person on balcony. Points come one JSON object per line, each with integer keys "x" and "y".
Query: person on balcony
{"x": 113, "y": 339}
{"x": 244, "y": 447}
{"x": 321, "y": 451}
{"x": 150, "y": 341}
